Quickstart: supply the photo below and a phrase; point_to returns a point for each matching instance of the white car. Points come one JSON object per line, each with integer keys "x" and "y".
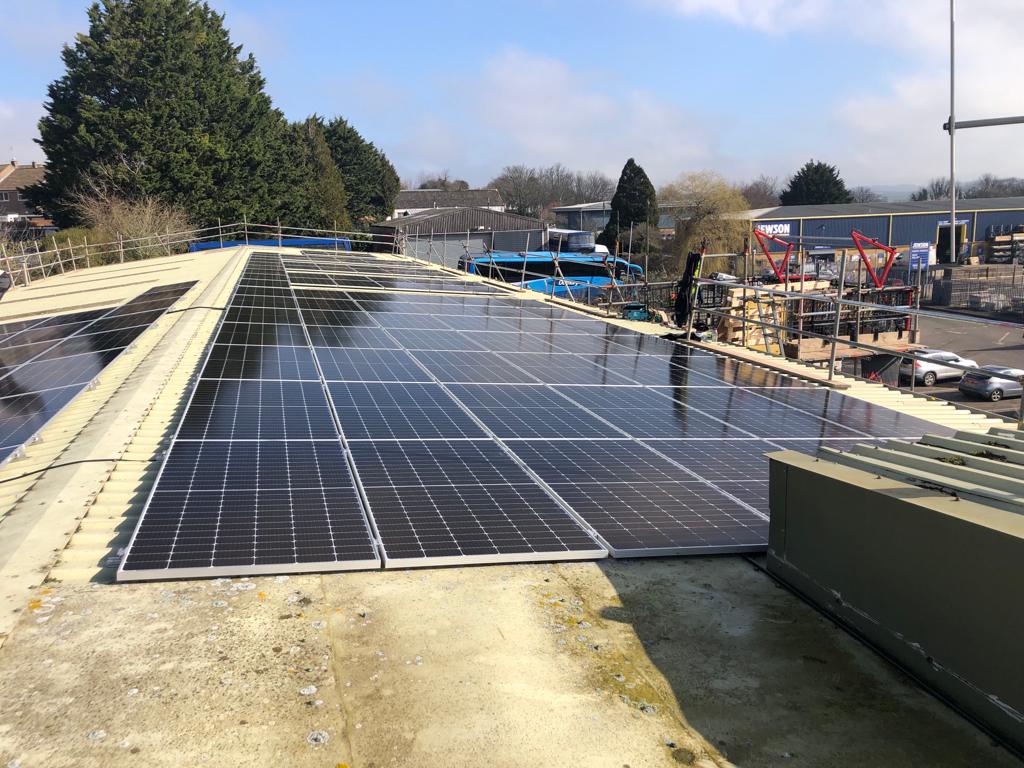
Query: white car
{"x": 935, "y": 367}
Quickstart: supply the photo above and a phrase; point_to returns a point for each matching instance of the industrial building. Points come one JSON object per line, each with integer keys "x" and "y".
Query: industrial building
{"x": 593, "y": 217}
{"x": 896, "y": 224}
{"x": 981, "y": 224}
{"x": 446, "y": 233}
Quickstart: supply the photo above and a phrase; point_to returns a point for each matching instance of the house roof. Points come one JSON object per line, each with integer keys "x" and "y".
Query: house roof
{"x": 447, "y": 198}
{"x": 22, "y": 176}
{"x": 458, "y": 219}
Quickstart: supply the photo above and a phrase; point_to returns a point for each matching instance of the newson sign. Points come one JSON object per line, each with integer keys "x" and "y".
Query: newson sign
{"x": 775, "y": 228}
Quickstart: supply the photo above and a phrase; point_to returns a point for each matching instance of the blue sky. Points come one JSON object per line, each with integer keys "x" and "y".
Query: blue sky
{"x": 738, "y": 86}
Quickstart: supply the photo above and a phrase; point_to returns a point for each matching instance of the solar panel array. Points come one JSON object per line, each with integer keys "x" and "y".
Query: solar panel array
{"x": 457, "y": 427}
{"x": 45, "y": 363}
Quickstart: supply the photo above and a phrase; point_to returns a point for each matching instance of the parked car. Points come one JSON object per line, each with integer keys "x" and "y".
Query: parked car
{"x": 935, "y": 367}
{"x": 991, "y": 388}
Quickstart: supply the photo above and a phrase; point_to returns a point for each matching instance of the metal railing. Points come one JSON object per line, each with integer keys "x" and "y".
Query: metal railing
{"x": 832, "y": 339}
{"x": 30, "y": 262}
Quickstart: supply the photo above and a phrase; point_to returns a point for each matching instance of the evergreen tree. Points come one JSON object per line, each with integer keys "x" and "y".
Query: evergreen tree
{"x": 157, "y": 92}
{"x": 816, "y": 183}
{"x": 634, "y": 202}
{"x": 370, "y": 179}
{"x": 321, "y": 197}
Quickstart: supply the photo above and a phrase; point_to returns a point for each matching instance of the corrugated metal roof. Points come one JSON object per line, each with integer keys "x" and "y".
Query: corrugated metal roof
{"x": 884, "y": 209}
{"x": 986, "y": 468}
{"x": 447, "y": 198}
{"x": 441, "y": 220}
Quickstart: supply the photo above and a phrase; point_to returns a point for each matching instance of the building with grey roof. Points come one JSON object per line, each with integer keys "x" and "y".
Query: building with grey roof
{"x": 412, "y": 201}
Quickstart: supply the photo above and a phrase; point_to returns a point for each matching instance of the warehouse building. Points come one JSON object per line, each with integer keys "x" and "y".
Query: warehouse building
{"x": 981, "y": 224}
{"x": 446, "y": 233}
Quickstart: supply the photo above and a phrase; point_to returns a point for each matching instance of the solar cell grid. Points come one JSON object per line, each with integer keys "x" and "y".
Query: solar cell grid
{"x": 62, "y": 354}
{"x": 438, "y": 502}
{"x": 257, "y": 410}
{"x": 337, "y": 317}
{"x": 267, "y": 335}
{"x": 237, "y": 361}
{"x": 643, "y": 414}
{"x": 417, "y": 339}
{"x": 269, "y": 315}
{"x": 665, "y": 518}
{"x": 341, "y": 364}
{"x": 530, "y": 411}
{"x": 40, "y": 375}
{"x": 478, "y": 367}
{"x": 477, "y": 323}
{"x": 350, "y": 336}
{"x": 566, "y": 369}
{"x": 409, "y": 320}
{"x": 399, "y": 411}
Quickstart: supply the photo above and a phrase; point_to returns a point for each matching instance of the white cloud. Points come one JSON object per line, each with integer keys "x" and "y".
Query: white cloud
{"x": 766, "y": 15}
{"x": 542, "y": 111}
{"x": 891, "y": 130}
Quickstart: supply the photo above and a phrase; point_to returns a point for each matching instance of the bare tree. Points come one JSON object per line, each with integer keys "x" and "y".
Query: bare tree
{"x": 866, "y": 195}
{"x": 103, "y": 205}
{"x": 707, "y": 203}
{"x": 936, "y": 189}
{"x": 762, "y": 192}
{"x": 532, "y": 191}
{"x": 989, "y": 185}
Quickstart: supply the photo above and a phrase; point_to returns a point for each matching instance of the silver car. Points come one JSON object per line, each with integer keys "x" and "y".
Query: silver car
{"x": 990, "y": 387}
{"x": 934, "y": 367}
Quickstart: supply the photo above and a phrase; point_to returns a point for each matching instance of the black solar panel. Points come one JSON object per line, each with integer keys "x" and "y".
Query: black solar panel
{"x": 482, "y": 428}
{"x": 235, "y": 361}
{"x": 256, "y": 480}
{"x": 257, "y": 410}
{"x": 343, "y": 364}
{"x": 530, "y": 411}
{"x": 472, "y": 367}
{"x": 399, "y": 411}
{"x": 46, "y": 362}
{"x": 439, "y": 502}
{"x": 639, "y": 502}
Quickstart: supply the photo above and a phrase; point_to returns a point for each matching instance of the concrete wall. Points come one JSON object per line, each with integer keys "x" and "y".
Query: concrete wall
{"x": 933, "y": 582}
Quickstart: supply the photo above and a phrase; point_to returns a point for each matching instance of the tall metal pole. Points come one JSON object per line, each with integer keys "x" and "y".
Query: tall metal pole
{"x": 953, "y": 251}
{"x": 835, "y": 324}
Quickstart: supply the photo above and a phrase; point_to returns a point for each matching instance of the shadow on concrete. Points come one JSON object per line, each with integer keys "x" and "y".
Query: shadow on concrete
{"x": 769, "y": 681}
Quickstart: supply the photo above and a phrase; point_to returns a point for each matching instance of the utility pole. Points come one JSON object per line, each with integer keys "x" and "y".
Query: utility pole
{"x": 953, "y": 250}
{"x": 952, "y": 125}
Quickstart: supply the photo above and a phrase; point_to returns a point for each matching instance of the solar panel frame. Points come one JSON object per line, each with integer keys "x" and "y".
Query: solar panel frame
{"x": 331, "y": 500}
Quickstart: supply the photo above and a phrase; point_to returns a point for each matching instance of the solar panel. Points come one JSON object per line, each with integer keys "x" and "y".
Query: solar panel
{"x": 477, "y": 428}
{"x": 529, "y": 411}
{"x": 472, "y": 367}
{"x": 440, "y": 502}
{"x": 344, "y": 364}
{"x": 48, "y": 361}
{"x": 257, "y": 479}
{"x": 566, "y": 369}
{"x": 643, "y": 413}
{"x": 639, "y": 502}
{"x": 434, "y": 339}
{"x": 399, "y": 411}
{"x": 257, "y": 410}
